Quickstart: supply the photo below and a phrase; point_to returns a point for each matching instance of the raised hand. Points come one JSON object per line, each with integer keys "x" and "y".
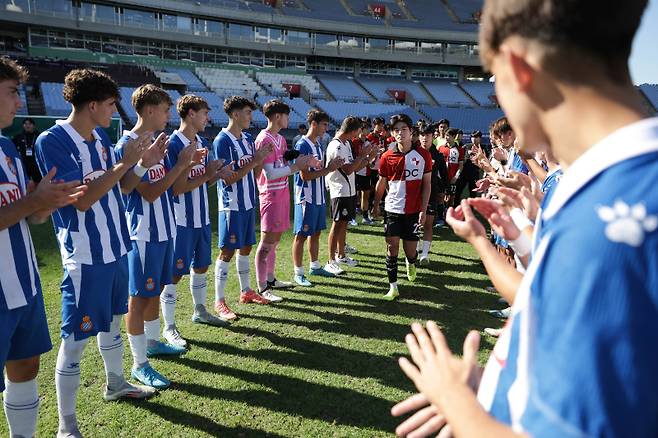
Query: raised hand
{"x": 335, "y": 163}
{"x": 499, "y": 154}
{"x": 303, "y": 162}
{"x": 191, "y": 156}
{"x": 523, "y": 199}
{"x": 464, "y": 223}
{"x": 498, "y": 217}
{"x": 515, "y": 180}
{"x": 263, "y": 153}
{"x": 483, "y": 185}
{"x": 155, "y": 152}
{"x": 50, "y": 194}
{"x": 134, "y": 148}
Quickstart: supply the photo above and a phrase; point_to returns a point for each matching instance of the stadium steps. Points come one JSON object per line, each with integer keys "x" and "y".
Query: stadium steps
{"x": 433, "y": 101}
{"x": 474, "y": 100}
{"x": 403, "y": 7}
{"x": 347, "y": 7}
{"x": 420, "y": 111}
{"x": 450, "y": 11}
{"x": 35, "y": 104}
{"x": 365, "y": 90}
{"x": 325, "y": 90}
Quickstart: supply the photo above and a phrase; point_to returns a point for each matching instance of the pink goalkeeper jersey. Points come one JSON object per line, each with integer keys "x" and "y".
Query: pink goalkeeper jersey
{"x": 280, "y": 146}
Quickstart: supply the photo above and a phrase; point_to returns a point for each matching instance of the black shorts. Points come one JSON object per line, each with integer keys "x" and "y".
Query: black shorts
{"x": 363, "y": 182}
{"x": 374, "y": 177}
{"x": 343, "y": 209}
{"x": 432, "y": 207}
{"x": 453, "y": 189}
{"x": 404, "y": 226}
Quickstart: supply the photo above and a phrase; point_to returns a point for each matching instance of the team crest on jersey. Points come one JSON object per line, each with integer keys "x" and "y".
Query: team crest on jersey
{"x": 627, "y": 224}
{"x": 94, "y": 174}
{"x": 104, "y": 153}
{"x": 150, "y": 285}
{"x": 415, "y": 160}
{"x": 233, "y": 238}
{"x": 10, "y": 164}
{"x": 197, "y": 171}
{"x": 180, "y": 264}
{"x": 306, "y": 227}
{"x": 9, "y": 192}
{"x": 244, "y": 160}
{"x": 86, "y": 325}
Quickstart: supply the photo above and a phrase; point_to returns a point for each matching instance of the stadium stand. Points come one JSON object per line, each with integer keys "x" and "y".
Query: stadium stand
{"x": 53, "y": 100}
{"x": 432, "y": 14}
{"x": 344, "y": 88}
{"x": 339, "y": 110}
{"x": 174, "y": 118}
{"x": 275, "y": 82}
{"x": 192, "y": 81}
{"x": 330, "y": 11}
{"x": 228, "y": 82}
{"x": 445, "y": 93}
{"x": 126, "y": 95}
{"x": 482, "y": 92}
{"x": 217, "y": 115}
{"x": 465, "y": 10}
{"x": 651, "y": 92}
{"x": 23, "y": 109}
{"x": 300, "y": 106}
{"x": 379, "y": 87}
{"x": 467, "y": 119}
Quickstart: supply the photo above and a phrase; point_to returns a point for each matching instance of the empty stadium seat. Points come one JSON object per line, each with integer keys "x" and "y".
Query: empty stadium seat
{"x": 379, "y": 86}
{"x": 191, "y": 80}
{"x": 227, "y": 82}
{"x": 276, "y": 80}
{"x": 344, "y": 88}
{"x": 482, "y": 92}
{"x": 467, "y": 119}
{"x": 445, "y": 93}
{"x": 23, "y": 109}
{"x": 339, "y": 110}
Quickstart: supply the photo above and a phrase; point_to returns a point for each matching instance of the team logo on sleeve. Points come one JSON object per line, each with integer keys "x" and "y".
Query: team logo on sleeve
{"x": 86, "y": 325}
{"x": 180, "y": 264}
{"x": 157, "y": 172}
{"x": 9, "y": 192}
{"x": 627, "y": 224}
{"x": 150, "y": 285}
{"x": 10, "y": 164}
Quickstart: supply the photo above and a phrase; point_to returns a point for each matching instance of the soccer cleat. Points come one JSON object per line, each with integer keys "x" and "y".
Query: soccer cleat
{"x": 367, "y": 221}
{"x": 249, "y": 296}
{"x": 321, "y": 272}
{"x": 150, "y": 377}
{"x": 162, "y": 349}
{"x": 173, "y": 337}
{"x": 504, "y": 313}
{"x": 439, "y": 223}
{"x": 493, "y": 332}
{"x": 268, "y": 295}
{"x": 224, "y": 312}
{"x": 276, "y": 284}
{"x": 424, "y": 260}
{"x": 73, "y": 434}
{"x": 347, "y": 260}
{"x": 301, "y": 280}
{"x": 128, "y": 390}
{"x": 392, "y": 294}
{"x": 349, "y": 249}
{"x": 411, "y": 271}
{"x": 333, "y": 268}
{"x": 202, "y": 316}
{"x": 353, "y": 223}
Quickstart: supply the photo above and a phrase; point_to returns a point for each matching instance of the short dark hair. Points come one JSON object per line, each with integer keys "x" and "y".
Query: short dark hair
{"x": 378, "y": 121}
{"x": 235, "y": 103}
{"x": 350, "y": 123}
{"x": 476, "y": 134}
{"x": 443, "y": 122}
{"x": 190, "y": 102}
{"x": 401, "y": 118}
{"x": 452, "y": 132}
{"x": 275, "y": 106}
{"x": 501, "y": 126}
{"x": 302, "y": 126}
{"x": 86, "y": 85}
{"x": 29, "y": 119}
{"x": 317, "y": 116}
{"x": 424, "y": 128}
{"x": 149, "y": 94}
{"x": 10, "y": 70}
{"x": 570, "y": 31}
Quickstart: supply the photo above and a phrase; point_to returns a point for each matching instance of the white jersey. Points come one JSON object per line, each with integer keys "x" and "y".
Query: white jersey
{"x": 340, "y": 184}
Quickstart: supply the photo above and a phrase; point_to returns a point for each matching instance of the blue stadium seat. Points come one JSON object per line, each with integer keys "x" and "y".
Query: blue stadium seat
{"x": 467, "y": 119}
{"x": 445, "y": 93}
{"x": 344, "y": 88}
{"x": 378, "y": 86}
{"x": 482, "y": 92}
{"x": 191, "y": 80}
{"x": 23, "y": 109}
{"x": 651, "y": 91}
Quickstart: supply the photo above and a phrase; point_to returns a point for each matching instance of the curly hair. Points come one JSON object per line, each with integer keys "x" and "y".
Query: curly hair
{"x": 190, "y": 102}
{"x": 10, "y": 70}
{"x": 86, "y": 85}
{"x": 317, "y": 116}
{"x": 149, "y": 94}
{"x": 235, "y": 103}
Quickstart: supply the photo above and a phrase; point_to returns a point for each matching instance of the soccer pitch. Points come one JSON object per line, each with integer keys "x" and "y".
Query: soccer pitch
{"x": 321, "y": 363}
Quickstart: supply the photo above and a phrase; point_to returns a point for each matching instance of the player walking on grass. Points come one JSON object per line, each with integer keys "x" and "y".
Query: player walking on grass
{"x": 405, "y": 171}
{"x": 93, "y": 235}
{"x": 310, "y": 199}
{"x": 237, "y": 200}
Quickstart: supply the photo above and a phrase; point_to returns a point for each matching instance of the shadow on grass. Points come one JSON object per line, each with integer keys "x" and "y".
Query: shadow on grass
{"x": 294, "y": 396}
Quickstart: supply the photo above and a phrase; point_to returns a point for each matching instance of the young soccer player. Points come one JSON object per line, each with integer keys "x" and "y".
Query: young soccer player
{"x": 342, "y": 190}
{"x": 93, "y": 235}
{"x": 406, "y": 172}
{"x": 575, "y": 358}
{"x": 22, "y": 315}
{"x": 192, "y": 246}
{"x": 439, "y": 182}
{"x": 363, "y": 180}
{"x": 454, "y": 156}
{"x": 274, "y": 196}
{"x": 310, "y": 199}
{"x": 237, "y": 199}
{"x": 152, "y": 230}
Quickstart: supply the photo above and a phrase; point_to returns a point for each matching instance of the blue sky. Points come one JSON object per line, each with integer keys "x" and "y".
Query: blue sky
{"x": 644, "y": 58}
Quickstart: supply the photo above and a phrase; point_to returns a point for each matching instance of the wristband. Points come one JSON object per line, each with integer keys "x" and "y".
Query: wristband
{"x": 521, "y": 246}
{"x": 140, "y": 170}
{"x": 520, "y": 219}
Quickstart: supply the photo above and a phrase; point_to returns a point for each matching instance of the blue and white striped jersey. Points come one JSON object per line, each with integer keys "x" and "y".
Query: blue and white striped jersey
{"x": 191, "y": 208}
{"x": 19, "y": 276}
{"x": 241, "y": 195}
{"x": 577, "y": 357}
{"x": 312, "y": 191}
{"x": 100, "y": 234}
{"x": 150, "y": 222}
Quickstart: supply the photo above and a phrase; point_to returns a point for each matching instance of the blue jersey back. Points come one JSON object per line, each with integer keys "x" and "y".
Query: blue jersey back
{"x": 310, "y": 191}
{"x": 241, "y": 195}
{"x": 19, "y": 276}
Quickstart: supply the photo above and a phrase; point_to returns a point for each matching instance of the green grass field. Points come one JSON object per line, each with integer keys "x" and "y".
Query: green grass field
{"x": 321, "y": 364}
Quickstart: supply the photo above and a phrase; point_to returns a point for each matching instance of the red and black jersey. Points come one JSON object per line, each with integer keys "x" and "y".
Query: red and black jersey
{"x": 404, "y": 173}
{"x": 453, "y": 156}
{"x": 357, "y": 144}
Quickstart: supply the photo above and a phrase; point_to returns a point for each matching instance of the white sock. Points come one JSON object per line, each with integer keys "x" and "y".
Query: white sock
{"x": 244, "y": 274}
{"x": 426, "y": 247}
{"x": 168, "y": 305}
{"x": 138, "y": 349}
{"x": 315, "y": 264}
{"x": 110, "y": 345}
{"x": 393, "y": 285}
{"x": 299, "y": 270}
{"x": 198, "y": 288}
{"x": 221, "y": 278}
{"x": 21, "y": 402}
{"x": 152, "y": 331}
{"x": 67, "y": 381}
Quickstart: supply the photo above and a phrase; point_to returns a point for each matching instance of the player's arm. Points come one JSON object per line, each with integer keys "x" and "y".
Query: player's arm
{"x": 426, "y": 191}
{"x": 153, "y": 154}
{"x": 536, "y": 169}
{"x": 188, "y": 158}
{"x": 259, "y": 157}
{"x": 380, "y": 189}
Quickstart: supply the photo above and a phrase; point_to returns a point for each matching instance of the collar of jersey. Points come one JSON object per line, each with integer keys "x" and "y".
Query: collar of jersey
{"x": 75, "y": 136}
{"x": 184, "y": 139}
{"x": 231, "y": 136}
{"x": 639, "y": 138}
{"x": 308, "y": 140}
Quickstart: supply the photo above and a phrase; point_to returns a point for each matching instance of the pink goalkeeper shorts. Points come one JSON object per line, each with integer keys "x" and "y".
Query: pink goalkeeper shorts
{"x": 275, "y": 211}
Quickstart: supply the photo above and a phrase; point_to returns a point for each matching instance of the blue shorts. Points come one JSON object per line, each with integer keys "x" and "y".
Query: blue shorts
{"x": 310, "y": 218}
{"x": 24, "y": 333}
{"x": 192, "y": 249}
{"x": 237, "y": 229}
{"x": 92, "y": 295}
{"x": 150, "y": 265}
